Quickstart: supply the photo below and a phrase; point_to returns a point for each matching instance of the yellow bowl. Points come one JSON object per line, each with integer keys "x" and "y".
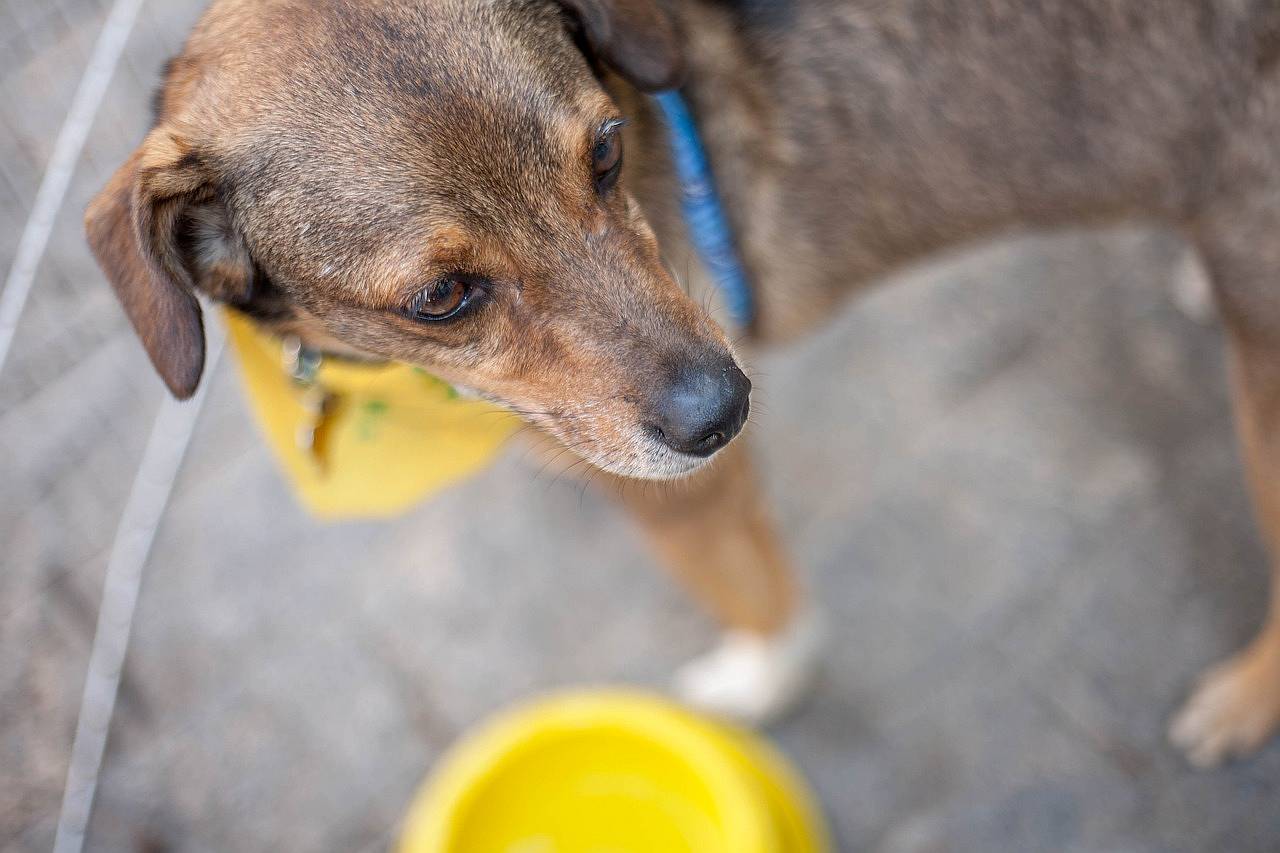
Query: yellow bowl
{"x": 616, "y": 771}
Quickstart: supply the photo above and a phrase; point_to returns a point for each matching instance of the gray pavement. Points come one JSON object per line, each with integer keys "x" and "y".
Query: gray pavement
{"x": 1010, "y": 476}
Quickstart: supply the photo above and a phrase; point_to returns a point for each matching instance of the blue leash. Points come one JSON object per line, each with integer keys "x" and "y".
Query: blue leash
{"x": 703, "y": 214}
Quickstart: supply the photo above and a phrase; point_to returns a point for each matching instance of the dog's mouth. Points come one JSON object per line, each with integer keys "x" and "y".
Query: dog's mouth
{"x": 635, "y": 452}
{"x": 670, "y": 432}
{"x": 652, "y": 459}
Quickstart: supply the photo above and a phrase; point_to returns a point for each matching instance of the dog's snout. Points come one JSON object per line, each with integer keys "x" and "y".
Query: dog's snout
{"x": 703, "y": 408}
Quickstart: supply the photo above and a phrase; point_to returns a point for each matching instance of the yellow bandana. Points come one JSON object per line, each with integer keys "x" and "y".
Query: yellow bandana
{"x": 359, "y": 440}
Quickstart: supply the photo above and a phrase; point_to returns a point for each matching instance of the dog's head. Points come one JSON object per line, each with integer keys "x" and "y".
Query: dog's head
{"x": 438, "y": 182}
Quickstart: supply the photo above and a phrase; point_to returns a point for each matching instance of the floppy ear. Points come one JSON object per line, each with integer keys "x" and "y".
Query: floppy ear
{"x": 635, "y": 37}
{"x": 135, "y": 229}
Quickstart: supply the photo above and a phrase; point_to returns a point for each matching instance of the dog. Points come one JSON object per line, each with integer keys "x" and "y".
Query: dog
{"x": 444, "y": 183}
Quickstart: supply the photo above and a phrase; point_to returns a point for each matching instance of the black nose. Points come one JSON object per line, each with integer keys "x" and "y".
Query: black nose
{"x": 703, "y": 408}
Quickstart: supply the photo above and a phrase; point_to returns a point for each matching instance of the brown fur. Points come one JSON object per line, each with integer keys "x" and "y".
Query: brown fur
{"x": 316, "y": 164}
{"x": 268, "y": 128}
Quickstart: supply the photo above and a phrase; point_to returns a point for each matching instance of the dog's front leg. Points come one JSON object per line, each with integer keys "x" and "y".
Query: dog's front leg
{"x": 714, "y": 533}
{"x": 1236, "y": 707}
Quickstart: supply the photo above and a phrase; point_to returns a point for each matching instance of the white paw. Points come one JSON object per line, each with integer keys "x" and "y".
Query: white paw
{"x": 754, "y": 678}
{"x": 1191, "y": 289}
{"x": 1233, "y": 710}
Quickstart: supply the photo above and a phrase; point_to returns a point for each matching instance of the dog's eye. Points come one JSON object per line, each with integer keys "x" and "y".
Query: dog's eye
{"x": 606, "y": 157}
{"x": 441, "y": 300}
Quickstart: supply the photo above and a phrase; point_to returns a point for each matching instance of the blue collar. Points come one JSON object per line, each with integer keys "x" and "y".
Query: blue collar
{"x": 709, "y": 229}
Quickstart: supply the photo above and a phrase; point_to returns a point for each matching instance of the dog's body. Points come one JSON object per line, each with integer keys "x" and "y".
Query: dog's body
{"x": 846, "y": 137}
{"x": 849, "y": 137}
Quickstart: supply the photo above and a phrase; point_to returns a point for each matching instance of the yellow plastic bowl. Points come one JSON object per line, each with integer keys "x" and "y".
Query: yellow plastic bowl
{"x": 615, "y": 771}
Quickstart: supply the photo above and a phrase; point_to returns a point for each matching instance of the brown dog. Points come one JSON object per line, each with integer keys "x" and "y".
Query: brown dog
{"x": 441, "y": 182}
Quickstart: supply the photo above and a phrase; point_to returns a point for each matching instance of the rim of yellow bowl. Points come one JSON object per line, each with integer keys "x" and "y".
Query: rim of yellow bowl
{"x": 793, "y": 804}
{"x": 466, "y": 768}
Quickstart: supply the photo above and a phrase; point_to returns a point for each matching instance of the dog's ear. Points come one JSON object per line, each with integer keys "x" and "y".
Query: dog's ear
{"x": 635, "y": 37}
{"x": 145, "y": 229}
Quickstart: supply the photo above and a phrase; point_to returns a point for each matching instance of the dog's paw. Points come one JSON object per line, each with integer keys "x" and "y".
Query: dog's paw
{"x": 1233, "y": 710}
{"x": 1191, "y": 289}
{"x": 753, "y": 678}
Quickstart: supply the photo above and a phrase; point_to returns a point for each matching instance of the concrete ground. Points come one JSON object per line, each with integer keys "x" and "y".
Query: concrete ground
{"x": 1010, "y": 477}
